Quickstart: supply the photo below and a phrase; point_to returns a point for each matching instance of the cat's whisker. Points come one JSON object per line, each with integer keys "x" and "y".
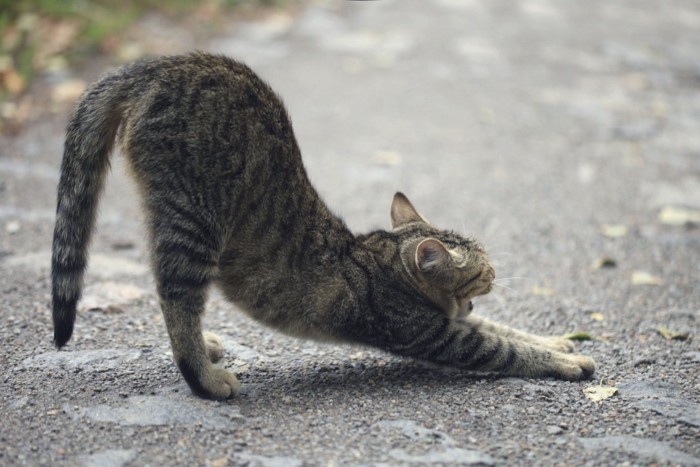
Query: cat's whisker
{"x": 501, "y": 279}
{"x": 501, "y": 301}
{"x": 492, "y": 242}
{"x": 509, "y": 288}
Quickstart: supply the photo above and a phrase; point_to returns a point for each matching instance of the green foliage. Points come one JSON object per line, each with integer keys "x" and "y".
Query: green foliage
{"x": 27, "y": 30}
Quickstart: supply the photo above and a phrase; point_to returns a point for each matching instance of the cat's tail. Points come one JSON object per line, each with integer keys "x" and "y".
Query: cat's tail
{"x": 90, "y": 137}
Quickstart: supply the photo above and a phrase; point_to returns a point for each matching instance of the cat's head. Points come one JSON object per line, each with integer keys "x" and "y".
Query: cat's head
{"x": 447, "y": 268}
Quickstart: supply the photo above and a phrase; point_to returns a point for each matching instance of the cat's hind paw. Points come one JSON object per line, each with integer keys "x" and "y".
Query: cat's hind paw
{"x": 214, "y": 346}
{"x": 221, "y": 384}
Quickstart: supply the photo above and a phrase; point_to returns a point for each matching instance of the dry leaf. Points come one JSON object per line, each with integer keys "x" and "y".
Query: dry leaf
{"x": 666, "y": 333}
{"x": 644, "y": 278}
{"x": 578, "y": 336}
{"x": 387, "y": 158}
{"x": 605, "y": 262}
{"x": 220, "y": 462}
{"x": 543, "y": 291}
{"x": 597, "y": 316}
{"x": 13, "y": 82}
{"x": 613, "y": 230}
{"x": 68, "y": 91}
{"x": 671, "y": 215}
{"x": 599, "y": 392}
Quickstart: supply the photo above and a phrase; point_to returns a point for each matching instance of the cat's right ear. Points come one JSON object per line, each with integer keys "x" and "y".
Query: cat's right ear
{"x": 403, "y": 212}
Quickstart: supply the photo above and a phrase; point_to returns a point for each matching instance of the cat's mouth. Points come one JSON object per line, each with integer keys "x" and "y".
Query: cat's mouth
{"x": 480, "y": 284}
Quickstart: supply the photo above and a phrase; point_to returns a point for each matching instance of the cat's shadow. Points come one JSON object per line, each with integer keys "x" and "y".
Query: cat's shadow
{"x": 359, "y": 380}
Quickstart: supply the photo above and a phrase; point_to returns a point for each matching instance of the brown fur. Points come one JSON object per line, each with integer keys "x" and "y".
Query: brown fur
{"x": 228, "y": 202}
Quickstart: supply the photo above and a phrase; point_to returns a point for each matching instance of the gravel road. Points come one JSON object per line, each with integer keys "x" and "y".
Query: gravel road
{"x": 564, "y": 134}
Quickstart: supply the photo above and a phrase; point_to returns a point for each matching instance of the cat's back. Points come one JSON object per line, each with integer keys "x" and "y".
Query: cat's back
{"x": 201, "y": 88}
{"x": 207, "y": 109}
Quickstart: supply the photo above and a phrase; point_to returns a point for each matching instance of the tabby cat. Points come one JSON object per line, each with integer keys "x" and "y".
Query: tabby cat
{"x": 228, "y": 202}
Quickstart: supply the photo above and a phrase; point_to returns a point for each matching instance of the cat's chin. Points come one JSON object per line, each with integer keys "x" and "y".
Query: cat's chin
{"x": 464, "y": 306}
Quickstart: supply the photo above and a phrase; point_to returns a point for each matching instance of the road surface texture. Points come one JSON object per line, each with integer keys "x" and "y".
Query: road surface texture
{"x": 563, "y": 134}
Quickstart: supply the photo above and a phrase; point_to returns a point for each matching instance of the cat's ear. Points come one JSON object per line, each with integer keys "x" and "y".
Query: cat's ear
{"x": 431, "y": 254}
{"x": 403, "y": 212}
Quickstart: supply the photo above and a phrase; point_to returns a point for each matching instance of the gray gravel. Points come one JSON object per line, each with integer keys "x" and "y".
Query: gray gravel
{"x": 531, "y": 125}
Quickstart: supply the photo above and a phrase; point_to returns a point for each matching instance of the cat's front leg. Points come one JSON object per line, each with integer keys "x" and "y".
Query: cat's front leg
{"x": 474, "y": 346}
{"x": 557, "y": 343}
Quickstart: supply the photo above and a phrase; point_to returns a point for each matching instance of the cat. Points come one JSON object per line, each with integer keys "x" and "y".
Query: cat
{"x": 228, "y": 202}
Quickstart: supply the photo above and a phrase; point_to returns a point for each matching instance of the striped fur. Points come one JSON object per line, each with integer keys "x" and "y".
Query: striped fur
{"x": 228, "y": 202}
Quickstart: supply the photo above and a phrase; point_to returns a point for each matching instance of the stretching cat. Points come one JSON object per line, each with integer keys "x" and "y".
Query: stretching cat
{"x": 228, "y": 202}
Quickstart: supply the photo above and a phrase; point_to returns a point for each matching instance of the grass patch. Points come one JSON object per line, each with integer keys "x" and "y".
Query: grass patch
{"x": 38, "y": 35}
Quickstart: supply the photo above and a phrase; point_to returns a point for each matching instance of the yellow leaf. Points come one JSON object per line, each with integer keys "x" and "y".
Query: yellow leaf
{"x": 613, "y": 230}
{"x": 597, "y": 316}
{"x": 671, "y": 215}
{"x": 599, "y": 392}
{"x": 666, "y": 333}
{"x": 644, "y": 278}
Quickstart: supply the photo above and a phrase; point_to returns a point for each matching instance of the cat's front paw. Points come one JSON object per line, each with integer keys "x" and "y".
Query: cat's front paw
{"x": 573, "y": 367}
{"x": 560, "y": 344}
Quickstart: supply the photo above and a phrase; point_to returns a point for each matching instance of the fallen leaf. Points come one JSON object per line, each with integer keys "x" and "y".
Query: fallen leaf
{"x": 613, "y": 230}
{"x": 671, "y": 215}
{"x": 605, "y": 262}
{"x": 486, "y": 116}
{"x": 220, "y": 462}
{"x": 578, "y": 336}
{"x": 644, "y": 278}
{"x": 387, "y": 158}
{"x": 597, "y": 316}
{"x": 543, "y": 291}
{"x": 666, "y": 333}
{"x": 599, "y": 392}
{"x": 13, "y": 82}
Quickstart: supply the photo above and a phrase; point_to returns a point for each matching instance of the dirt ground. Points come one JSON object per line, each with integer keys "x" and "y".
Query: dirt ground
{"x": 563, "y": 134}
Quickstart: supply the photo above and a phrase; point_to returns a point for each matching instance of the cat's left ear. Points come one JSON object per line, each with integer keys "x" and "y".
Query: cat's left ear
{"x": 432, "y": 255}
{"x": 403, "y": 212}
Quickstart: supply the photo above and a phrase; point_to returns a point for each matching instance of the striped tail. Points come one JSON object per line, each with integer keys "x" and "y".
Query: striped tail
{"x": 90, "y": 138}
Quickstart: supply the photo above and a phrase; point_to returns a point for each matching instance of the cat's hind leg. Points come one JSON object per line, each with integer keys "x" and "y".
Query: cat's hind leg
{"x": 215, "y": 348}
{"x": 185, "y": 263}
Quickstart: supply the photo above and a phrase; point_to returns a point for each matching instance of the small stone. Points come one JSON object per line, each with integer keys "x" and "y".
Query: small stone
{"x": 644, "y": 361}
{"x": 554, "y": 430}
